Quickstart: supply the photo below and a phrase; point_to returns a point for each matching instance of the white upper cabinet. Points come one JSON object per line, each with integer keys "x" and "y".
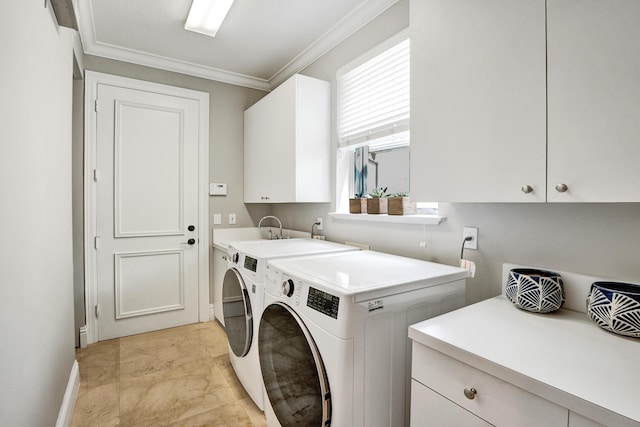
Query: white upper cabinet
{"x": 515, "y": 103}
{"x": 287, "y": 142}
{"x": 478, "y": 100}
{"x": 594, "y": 100}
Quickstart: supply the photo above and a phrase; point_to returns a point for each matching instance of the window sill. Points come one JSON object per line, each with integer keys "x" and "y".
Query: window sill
{"x": 392, "y": 219}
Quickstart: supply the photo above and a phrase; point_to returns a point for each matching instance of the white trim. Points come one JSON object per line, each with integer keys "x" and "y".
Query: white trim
{"x": 211, "y": 312}
{"x": 83, "y": 336}
{"x": 392, "y": 219}
{"x": 92, "y": 79}
{"x": 93, "y": 47}
{"x": 344, "y": 29}
{"x": 367, "y": 12}
{"x": 70, "y": 395}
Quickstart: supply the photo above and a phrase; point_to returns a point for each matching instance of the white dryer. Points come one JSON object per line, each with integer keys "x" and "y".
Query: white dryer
{"x": 333, "y": 340}
{"x": 243, "y": 299}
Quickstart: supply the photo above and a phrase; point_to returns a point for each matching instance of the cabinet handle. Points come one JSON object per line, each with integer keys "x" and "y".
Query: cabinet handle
{"x": 264, "y": 198}
{"x": 470, "y": 393}
{"x": 526, "y": 189}
{"x": 561, "y": 188}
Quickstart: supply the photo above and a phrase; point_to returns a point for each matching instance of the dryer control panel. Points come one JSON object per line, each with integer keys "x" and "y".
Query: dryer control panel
{"x": 323, "y": 302}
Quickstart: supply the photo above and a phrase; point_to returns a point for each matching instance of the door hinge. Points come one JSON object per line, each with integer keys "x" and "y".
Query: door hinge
{"x": 97, "y": 310}
{"x": 95, "y": 105}
{"x": 96, "y": 242}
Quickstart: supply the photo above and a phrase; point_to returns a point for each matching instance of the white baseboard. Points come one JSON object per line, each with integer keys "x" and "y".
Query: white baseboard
{"x": 70, "y": 395}
{"x": 84, "y": 336}
{"x": 211, "y": 313}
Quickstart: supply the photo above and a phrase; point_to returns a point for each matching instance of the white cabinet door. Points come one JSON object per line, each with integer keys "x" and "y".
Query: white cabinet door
{"x": 478, "y": 104}
{"x": 269, "y": 147}
{"x": 429, "y": 409}
{"x": 219, "y": 270}
{"x": 594, "y": 100}
{"x": 286, "y": 144}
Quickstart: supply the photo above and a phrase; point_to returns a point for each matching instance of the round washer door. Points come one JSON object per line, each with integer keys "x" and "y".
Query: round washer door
{"x": 236, "y": 308}
{"x": 292, "y": 369}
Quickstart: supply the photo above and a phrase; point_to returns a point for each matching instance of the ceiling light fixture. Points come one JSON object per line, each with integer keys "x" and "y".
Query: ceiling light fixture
{"x": 206, "y": 16}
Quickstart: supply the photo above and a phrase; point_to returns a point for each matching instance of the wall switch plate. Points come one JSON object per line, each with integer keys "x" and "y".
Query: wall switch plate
{"x": 232, "y": 218}
{"x": 473, "y": 232}
{"x": 217, "y": 218}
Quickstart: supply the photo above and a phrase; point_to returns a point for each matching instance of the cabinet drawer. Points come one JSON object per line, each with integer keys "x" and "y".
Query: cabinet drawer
{"x": 428, "y": 409}
{"x": 495, "y": 401}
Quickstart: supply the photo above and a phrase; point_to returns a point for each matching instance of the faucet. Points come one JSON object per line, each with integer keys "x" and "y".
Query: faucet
{"x": 313, "y": 225}
{"x": 272, "y": 217}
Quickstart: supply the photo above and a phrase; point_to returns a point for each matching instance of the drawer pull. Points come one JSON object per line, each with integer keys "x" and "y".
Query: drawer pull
{"x": 470, "y": 393}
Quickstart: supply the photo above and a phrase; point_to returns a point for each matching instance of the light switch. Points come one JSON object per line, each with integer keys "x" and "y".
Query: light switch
{"x": 217, "y": 189}
{"x": 217, "y": 218}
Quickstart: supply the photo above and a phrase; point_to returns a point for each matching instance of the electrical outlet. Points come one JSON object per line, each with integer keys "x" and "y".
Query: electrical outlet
{"x": 320, "y": 225}
{"x": 473, "y": 232}
{"x": 232, "y": 218}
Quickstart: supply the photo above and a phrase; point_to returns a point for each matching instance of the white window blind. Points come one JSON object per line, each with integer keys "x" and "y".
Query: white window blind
{"x": 373, "y": 99}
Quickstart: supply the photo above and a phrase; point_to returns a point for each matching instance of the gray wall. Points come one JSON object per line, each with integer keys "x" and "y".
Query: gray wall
{"x": 36, "y": 273}
{"x": 600, "y": 239}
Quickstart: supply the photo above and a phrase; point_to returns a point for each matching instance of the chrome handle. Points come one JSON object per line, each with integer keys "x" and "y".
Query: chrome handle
{"x": 561, "y": 188}
{"x": 190, "y": 242}
{"x": 470, "y": 393}
{"x": 526, "y": 189}
{"x": 224, "y": 257}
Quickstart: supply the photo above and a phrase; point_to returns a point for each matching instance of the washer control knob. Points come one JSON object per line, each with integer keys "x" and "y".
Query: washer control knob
{"x": 235, "y": 258}
{"x": 288, "y": 287}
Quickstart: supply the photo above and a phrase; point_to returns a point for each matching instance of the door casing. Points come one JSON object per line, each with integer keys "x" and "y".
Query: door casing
{"x": 92, "y": 80}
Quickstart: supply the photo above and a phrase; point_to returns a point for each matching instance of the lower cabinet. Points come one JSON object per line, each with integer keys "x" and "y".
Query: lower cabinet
{"x": 219, "y": 269}
{"x": 449, "y": 392}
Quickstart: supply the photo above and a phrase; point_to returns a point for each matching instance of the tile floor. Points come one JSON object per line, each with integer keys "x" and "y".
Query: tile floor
{"x": 174, "y": 377}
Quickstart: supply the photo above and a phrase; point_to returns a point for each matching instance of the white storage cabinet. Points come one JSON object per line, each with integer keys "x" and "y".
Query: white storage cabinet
{"x": 219, "y": 270}
{"x": 287, "y": 143}
{"x": 487, "y": 74}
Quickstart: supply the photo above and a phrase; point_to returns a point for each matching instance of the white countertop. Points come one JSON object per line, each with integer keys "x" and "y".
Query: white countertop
{"x": 563, "y": 356}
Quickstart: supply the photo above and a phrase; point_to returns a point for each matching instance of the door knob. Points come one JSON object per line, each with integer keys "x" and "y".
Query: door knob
{"x": 191, "y": 227}
{"x": 190, "y": 242}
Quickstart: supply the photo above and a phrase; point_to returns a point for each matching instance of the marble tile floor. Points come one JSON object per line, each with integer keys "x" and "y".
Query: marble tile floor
{"x": 173, "y": 377}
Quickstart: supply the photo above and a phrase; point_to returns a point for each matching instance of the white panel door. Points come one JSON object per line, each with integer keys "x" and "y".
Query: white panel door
{"x": 147, "y": 211}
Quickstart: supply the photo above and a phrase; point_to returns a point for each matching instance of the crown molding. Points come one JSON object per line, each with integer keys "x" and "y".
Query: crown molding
{"x": 367, "y": 11}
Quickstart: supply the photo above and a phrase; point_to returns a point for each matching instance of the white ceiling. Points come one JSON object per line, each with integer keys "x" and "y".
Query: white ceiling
{"x": 260, "y": 44}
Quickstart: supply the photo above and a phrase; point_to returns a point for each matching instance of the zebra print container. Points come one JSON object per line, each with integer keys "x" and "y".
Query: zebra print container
{"x": 534, "y": 290}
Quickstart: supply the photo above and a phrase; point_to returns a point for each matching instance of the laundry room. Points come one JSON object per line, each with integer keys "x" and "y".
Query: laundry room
{"x": 293, "y": 220}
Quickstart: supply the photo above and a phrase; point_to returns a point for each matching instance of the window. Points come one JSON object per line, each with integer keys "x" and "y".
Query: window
{"x": 374, "y": 110}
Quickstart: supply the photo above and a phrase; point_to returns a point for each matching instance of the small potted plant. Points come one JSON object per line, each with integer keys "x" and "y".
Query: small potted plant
{"x": 377, "y": 201}
{"x": 400, "y": 204}
{"x": 358, "y": 204}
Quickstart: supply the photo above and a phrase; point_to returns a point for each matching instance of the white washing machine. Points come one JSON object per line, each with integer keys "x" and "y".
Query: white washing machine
{"x": 243, "y": 299}
{"x": 333, "y": 339}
